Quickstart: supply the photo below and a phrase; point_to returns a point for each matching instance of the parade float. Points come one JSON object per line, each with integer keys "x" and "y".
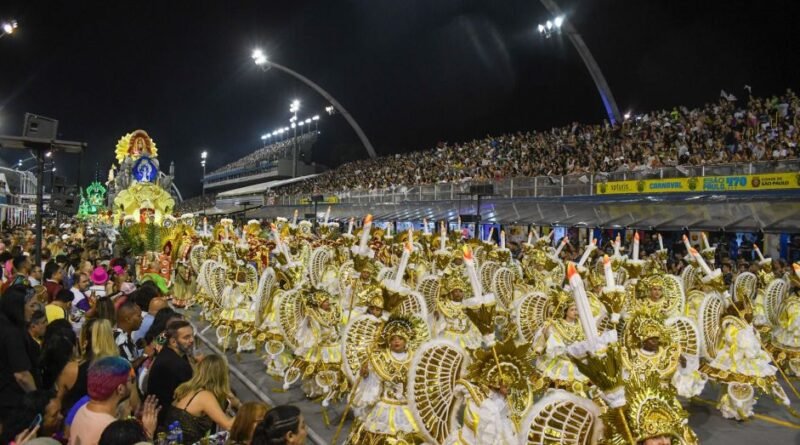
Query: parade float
{"x": 93, "y": 202}
{"x": 141, "y": 206}
{"x": 137, "y": 188}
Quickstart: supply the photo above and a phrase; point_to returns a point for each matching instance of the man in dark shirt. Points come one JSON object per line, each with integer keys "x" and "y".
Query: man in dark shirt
{"x": 171, "y": 366}
{"x": 52, "y": 280}
{"x": 17, "y": 306}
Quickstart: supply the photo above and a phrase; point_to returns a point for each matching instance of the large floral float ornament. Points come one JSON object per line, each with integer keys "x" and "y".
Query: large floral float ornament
{"x": 138, "y": 189}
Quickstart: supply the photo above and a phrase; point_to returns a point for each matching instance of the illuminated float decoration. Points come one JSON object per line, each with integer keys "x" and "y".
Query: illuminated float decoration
{"x": 139, "y": 191}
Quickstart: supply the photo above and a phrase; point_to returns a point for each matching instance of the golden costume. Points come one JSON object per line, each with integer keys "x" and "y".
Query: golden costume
{"x": 380, "y": 397}
{"x": 452, "y": 322}
{"x": 315, "y": 338}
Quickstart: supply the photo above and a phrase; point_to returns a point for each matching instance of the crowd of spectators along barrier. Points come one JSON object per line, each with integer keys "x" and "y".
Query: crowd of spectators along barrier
{"x": 726, "y": 137}
{"x": 541, "y": 186}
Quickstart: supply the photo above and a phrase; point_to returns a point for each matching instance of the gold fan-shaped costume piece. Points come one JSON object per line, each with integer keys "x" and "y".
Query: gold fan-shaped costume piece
{"x": 773, "y": 298}
{"x": 502, "y": 286}
{"x": 406, "y": 302}
{"x": 710, "y": 316}
{"x": 266, "y": 285}
{"x": 486, "y": 273}
{"x": 686, "y": 333}
{"x": 690, "y": 276}
{"x": 197, "y": 256}
{"x": 531, "y": 313}
{"x": 562, "y": 418}
{"x": 429, "y": 286}
{"x": 359, "y": 336}
{"x": 745, "y": 286}
{"x": 432, "y": 395}
{"x": 290, "y": 313}
{"x": 317, "y": 264}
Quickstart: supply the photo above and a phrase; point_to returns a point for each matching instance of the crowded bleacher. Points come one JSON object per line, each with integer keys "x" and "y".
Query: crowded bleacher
{"x": 727, "y": 131}
{"x": 263, "y": 157}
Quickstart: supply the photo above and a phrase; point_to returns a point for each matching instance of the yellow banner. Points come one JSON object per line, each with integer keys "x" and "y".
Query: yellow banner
{"x": 764, "y": 181}
{"x": 327, "y": 200}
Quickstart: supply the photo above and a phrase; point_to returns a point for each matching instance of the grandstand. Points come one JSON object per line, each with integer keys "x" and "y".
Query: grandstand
{"x": 271, "y": 162}
{"x": 755, "y": 130}
{"x": 753, "y": 136}
{"x": 236, "y": 183}
{"x": 718, "y": 166}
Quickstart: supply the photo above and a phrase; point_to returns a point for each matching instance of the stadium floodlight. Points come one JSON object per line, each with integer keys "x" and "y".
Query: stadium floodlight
{"x": 308, "y": 121}
{"x": 48, "y": 154}
{"x": 285, "y": 128}
{"x": 315, "y": 118}
{"x": 9, "y": 27}
{"x": 627, "y": 115}
{"x": 204, "y": 155}
{"x": 329, "y": 109}
{"x": 558, "y": 21}
{"x": 541, "y": 28}
{"x": 294, "y": 107}
{"x": 294, "y": 125}
{"x": 264, "y": 137}
{"x": 301, "y": 123}
{"x": 549, "y": 25}
{"x": 259, "y": 57}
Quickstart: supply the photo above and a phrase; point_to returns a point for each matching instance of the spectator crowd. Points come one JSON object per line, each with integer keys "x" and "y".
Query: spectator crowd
{"x": 728, "y": 131}
{"x": 91, "y": 354}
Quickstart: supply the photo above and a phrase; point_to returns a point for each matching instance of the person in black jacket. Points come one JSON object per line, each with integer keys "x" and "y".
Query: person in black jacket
{"x": 172, "y": 365}
{"x": 17, "y": 373}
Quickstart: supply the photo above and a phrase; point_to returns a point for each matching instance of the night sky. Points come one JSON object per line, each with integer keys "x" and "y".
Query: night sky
{"x": 411, "y": 72}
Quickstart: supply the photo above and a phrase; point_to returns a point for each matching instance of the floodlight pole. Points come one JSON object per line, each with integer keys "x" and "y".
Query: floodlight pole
{"x": 39, "y": 203}
{"x": 591, "y": 64}
{"x": 353, "y": 124}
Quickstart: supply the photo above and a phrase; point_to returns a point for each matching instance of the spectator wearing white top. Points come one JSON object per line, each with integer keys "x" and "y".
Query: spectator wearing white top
{"x": 99, "y": 279}
{"x": 35, "y": 277}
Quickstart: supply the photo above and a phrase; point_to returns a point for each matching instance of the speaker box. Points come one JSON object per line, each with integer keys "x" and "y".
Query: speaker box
{"x": 40, "y": 127}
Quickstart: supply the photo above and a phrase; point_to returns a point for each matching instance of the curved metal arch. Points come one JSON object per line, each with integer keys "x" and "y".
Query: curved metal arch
{"x": 363, "y": 137}
{"x": 588, "y": 59}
